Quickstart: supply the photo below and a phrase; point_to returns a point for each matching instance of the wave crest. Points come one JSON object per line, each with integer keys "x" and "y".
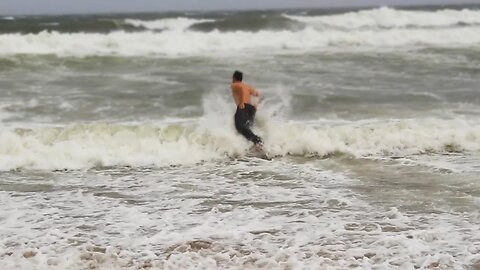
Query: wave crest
{"x": 171, "y": 24}
{"x": 249, "y": 24}
{"x": 391, "y": 18}
{"x": 190, "y": 43}
{"x": 93, "y": 145}
{"x": 379, "y": 29}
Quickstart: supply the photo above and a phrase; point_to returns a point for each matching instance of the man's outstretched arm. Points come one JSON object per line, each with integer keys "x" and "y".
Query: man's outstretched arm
{"x": 255, "y": 93}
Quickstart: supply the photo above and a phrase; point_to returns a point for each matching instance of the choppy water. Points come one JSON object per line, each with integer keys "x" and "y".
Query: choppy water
{"x": 118, "y": 151}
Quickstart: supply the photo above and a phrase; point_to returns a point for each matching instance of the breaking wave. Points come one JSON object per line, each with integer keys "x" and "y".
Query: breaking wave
{"x": 190, "y": 43}
{"x": 96, "y": 145}
{"x": 172, "y": 24}
{"x": 392, "y": 18}
{"x": 378, "y": 29}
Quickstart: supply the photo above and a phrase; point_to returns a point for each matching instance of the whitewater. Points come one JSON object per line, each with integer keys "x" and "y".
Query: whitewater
{"x": 381, "y": 29}
{"x": 106, "y": 145}
{"x": 118, "y": 148}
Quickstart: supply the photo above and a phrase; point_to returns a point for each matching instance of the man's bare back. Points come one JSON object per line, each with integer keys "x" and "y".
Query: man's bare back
{"x": 245, "y": 114}
{"x": 242, "y": 94}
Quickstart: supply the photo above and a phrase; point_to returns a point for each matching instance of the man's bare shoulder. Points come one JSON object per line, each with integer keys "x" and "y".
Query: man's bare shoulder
{"x": 237, "y": 86}
{"x": 250, "y": 89}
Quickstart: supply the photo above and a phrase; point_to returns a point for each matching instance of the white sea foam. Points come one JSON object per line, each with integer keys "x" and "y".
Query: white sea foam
{"x": 376, "y": 29}
{"x": 86, "y": 146}
{"x": 255, "y": 215}
{"x": 391, "y": 18}
{"x": 190, "y": 43}
{"x": 172, "y": 24}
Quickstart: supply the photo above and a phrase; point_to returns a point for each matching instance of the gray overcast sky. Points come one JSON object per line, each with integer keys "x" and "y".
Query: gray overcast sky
{"x": 13, "y": 7}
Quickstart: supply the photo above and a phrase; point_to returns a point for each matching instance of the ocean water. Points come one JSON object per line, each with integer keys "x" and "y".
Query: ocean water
{"x": 118, "y": 148}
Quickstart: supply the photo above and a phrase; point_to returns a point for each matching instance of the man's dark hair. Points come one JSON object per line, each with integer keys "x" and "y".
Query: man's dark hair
{"x": 238, "y": 76}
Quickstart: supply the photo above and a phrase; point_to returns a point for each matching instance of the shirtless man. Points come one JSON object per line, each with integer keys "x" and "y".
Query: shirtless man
{"x": 245, "y": 114}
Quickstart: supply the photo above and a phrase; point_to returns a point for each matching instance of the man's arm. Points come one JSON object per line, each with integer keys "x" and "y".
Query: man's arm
{"x": 255, "y": 93}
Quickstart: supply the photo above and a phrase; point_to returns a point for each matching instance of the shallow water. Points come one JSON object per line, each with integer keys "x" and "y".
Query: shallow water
{"x": 241, "y": 214}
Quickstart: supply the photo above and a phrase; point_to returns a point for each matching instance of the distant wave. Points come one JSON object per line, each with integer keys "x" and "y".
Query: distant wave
{"x": 249, "y": 24}
{"x": 94, "y": 145}
{"x": 190, "y": 43}
{"x": 174, "y": 24}
{"x": 377, "y": 29}
{"x": 392, "y": 18}
{"x": 66, "y": 24}
{"x": 373, "y": 19}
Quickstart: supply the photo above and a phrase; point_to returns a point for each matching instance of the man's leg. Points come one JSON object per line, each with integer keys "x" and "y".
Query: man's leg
{"x": 243, "y": 122}
{"x": 248, "y": 134}
{"x": 251, "y": 119}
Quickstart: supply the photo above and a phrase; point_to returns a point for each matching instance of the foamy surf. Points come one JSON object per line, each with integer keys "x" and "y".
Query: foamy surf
{"x": 383, "y": 29}
{"x": 190, "y": 43}
{"x": 253, "y": 215}
{"x": 103, "y": 145}
{"x": 391, "y": 18}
